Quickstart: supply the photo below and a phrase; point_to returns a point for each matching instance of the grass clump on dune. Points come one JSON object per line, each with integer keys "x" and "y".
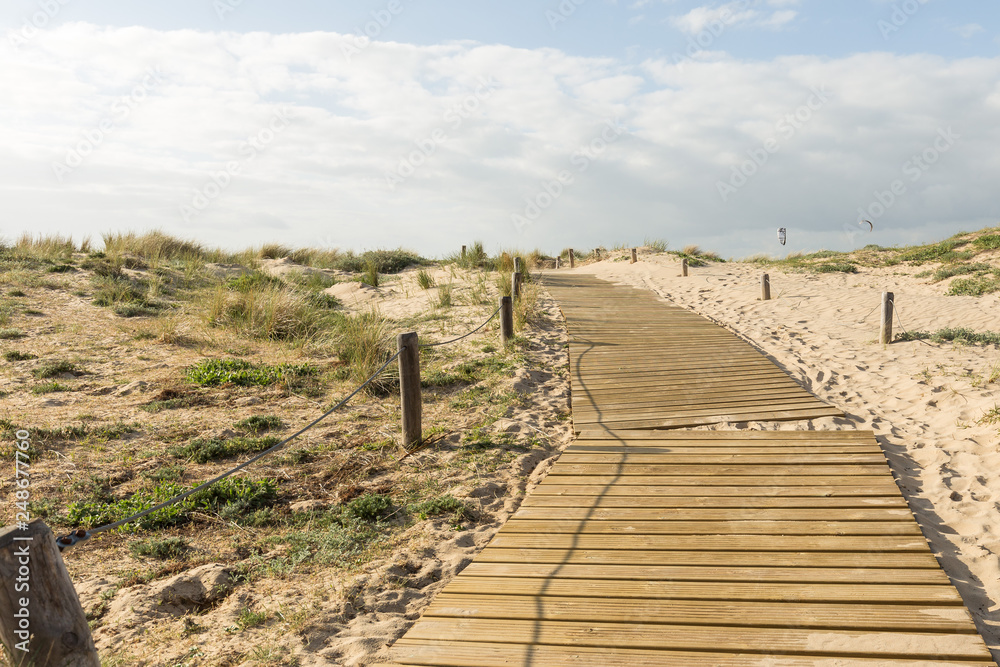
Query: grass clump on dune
{"x": 363, "y": 342}
{"x": 216, "y": 372}
{"x": 958, "y": 335}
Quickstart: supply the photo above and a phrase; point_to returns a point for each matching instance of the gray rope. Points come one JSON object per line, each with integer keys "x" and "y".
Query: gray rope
{"x": 81, "y": 535}
{"x": 900, "y": 320}
{"x": 455, "y": 340}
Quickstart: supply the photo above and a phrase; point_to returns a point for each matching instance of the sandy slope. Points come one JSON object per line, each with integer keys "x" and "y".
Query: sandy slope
{"x": 922, "y": 400}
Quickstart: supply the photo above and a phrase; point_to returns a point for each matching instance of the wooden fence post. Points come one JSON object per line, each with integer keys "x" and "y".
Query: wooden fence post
{"x": 597, "y": 254}
{"x": 515, "y": 284}
{"x": 408, "y": 345}
{"x": 885, "y": 334}
{"x": 684, "y": 267}
{"x": 506, "y": 320}
{"x": 41, "y": 619}
{"x": 765, "y": 287}
{"x": 517, "y": 265}
{"x": 634, "y": 257}
{"x": 557, "y": 262}
{"x": 572, "y": 260}
{"x": 463, "y": 252}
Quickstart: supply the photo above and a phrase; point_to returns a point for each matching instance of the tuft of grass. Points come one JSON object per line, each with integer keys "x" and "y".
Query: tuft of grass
{"x": 385, "y": 261}
{"x": 14, "y": 355}
{"x": 274, "y": 251}
{"x": 51, "y": 246}
{"x": 252, "y": 281}
{"x": 370, "y": 507}
{"x": 370, "y": 275}
{"x": 229, "y": 495}
{"x": 438, "y": 506}
{"x": 836, "y": 267}
{"x": 216, "y": 372}
{"x": 10, "y": 333}
{"x": 153, "y": 245}
{"x": 259, "y": 424}
{"x": 444, "y": 296}
{"x": 424, "y": 279}
{"x": 957, "y": 335}
{"x": 976, "y": 286}
{"x": 167, "y": 548}
{"x": 267, "y": 311}
{"x": 988, "y": 242}
{"x": 363, "y": 342}
{"x": 656, "y": 245}
{"x": 945, "y": 272}
{"x": 48, "y": 388}
{"x": 51, "y": 369}
{"x": 204, "y": 450}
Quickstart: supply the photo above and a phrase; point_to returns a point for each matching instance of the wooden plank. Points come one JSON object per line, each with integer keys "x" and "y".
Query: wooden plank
{"x": 709, "y": 590}
{"x": 517, "y": 525}
{"x": 713, "y": 514}
{"x": 884, "y": 617}
{"x": 439, "y": 653}
{"x": 576, "y": 556}
{"x": 686, "y": 637}
{"x": 802, "y": 575}
{"x": 827, "y": 502}
{"x": 739, "y": 436}
{"x": 721, "y": 469}
{"x": 767, "y": 483}
{"x": 874, "y": 544}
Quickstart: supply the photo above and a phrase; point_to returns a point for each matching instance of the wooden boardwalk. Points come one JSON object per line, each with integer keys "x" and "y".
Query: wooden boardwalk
{"x": 638, "y": 362}
{"x": 653, "y": 547}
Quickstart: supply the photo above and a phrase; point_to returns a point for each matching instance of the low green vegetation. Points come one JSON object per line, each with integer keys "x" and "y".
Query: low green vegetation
{"x": 230, "y": 496}
{"x": 203, "y": 450}
{"x": 49, "y": 388}
{"x": 836, "y": 267}
{"x": 51, "y": 369}
{"x": 958, "y": 335}
{"x": 14, "y": 355}
{"x": 259, "y": 424}
{"x": 215, "y": 372}
{"x": 167, "y": 548}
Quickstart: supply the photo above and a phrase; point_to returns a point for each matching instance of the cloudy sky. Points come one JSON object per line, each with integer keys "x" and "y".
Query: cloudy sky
{"x": 523, "y": 123}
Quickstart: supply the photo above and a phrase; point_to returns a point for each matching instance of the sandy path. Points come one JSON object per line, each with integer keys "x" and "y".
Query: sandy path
{"x": 922, "y": 400}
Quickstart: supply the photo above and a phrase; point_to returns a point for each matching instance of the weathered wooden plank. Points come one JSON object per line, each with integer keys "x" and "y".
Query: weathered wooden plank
{"x": 712, "y": 514}
{"x": 883, "y": 617}
{"x": 517, "y": 525}
{"x": 766, "y": 483}
{"x": 536, "y": 500}
{"x": 721, "y": 469}
{"x": 577, "y": 556}
{"x": 873, "y": 544}
{"x": 943, "y": 645}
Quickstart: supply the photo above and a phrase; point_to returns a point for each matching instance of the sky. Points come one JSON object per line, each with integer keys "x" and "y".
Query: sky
{"x": 428, "y": 124}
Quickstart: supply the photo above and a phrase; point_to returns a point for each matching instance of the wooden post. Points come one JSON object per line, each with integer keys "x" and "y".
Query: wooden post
{"x": 572, "y": 260}
{"x": 765, "y": 287}
{"x": 634, "y": 257}
{"x": 463, "y": 252}
{"x": 408, "y": 345}
{"x": 684, "y": 267}
{"x": 41, "y": 620}
{"x": 517, "y": 265}
{"x": 557, "y": 262}
{"x": 885, "y": 335}
{"x": 506, "y": 320}
{"x": 515, "y": 284}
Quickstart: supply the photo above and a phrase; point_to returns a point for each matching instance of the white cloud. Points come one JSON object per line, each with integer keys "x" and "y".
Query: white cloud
{"x": 715, "y": 20}
{"x": 969, "y": 30}
{"x": 322, "y": 179}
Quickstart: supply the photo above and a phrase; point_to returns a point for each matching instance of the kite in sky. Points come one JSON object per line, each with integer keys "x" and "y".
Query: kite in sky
{"x": 782, "y": 235}
{"x": 871, "y": 227}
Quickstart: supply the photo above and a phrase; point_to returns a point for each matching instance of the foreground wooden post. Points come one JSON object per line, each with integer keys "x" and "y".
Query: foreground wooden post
{"x": 41, "y": 620}
{"x": 517, "y": 265}
{"x": 506, "y": 320}
{"x": 515, "y": 284}
{"x": 684, "y": 267}
{"x": 885, "y": 335}
{"x": 765, "y": 287}
{"x": 634, "y": 257}
{"x": 572, "y": 260}
{"x": 408, "y": 345}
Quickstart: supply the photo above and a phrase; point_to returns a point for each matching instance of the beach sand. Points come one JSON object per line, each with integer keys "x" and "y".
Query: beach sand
{"x": 925, "y": 401}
